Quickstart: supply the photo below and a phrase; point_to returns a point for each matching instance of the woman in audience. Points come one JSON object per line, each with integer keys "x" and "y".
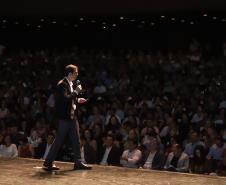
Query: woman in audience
{"x": 98, "y": 134}
{"x": 200, "y": 163}
{"x": 133, "y": 134}
{"x": 34, "y": 139}
{"x": 25, "y": 149}
{"x": 113, "y": 125}
{"x": 88, "y": 147}
{"x": 7, "y": 149}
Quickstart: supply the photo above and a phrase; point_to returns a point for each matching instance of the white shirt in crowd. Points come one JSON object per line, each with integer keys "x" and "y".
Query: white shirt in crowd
{"x": 8, "y": 151}
{"x": 148, "y": 163}
{"x": 83, "y": 155}
{"x": 99, "y": 89}
{"x": 105, "y": 157}
{"x": 134, "y": 158}
{"x": 47, "y": 151}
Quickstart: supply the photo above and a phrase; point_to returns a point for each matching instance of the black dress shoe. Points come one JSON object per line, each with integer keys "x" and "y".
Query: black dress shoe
{"x": 50, "y": 166}
{"x": 82, "y": 166}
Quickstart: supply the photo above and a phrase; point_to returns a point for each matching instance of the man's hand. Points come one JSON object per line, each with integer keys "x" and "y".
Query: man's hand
{"x": 78, "y": 88}
{"x": 124, "y": 158}
{"x": 82, "y": 100}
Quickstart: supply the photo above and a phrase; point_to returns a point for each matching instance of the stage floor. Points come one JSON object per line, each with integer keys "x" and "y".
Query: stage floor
{"x": 29, "y": 171}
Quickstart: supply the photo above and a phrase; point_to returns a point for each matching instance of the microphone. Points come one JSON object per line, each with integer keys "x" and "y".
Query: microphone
{"x": 78, "y": 83}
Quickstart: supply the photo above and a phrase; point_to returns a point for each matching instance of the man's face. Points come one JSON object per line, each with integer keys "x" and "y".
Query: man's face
{"x": 110, "y": 142}
{"x": 194, "y": 137}
{"x": 219, "y": 143}
{"x": 50, "y": 139}
{"x": 176, "y": 152}
{"x": 131, "y": 146}
{"x": 154, "y": 145}
{"x": 74, "y": 75}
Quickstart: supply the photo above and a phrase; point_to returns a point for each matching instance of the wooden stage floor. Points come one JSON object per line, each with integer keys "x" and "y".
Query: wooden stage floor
{"x": 29, "y": 172}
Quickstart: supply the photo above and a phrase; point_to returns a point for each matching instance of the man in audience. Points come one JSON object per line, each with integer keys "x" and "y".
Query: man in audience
{"x": 189, "y": 149}
{"x": 109, "y": 154}
{"x": 177, "y": 160}
{"x": 130, "y": 158}
{"x": 96, "y": 114}
{"x": 153, "y": 158}
{"x": 44, "y": 147}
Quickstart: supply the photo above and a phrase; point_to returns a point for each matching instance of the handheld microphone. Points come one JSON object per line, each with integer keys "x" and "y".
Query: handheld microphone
{"x": 78, "y": 83}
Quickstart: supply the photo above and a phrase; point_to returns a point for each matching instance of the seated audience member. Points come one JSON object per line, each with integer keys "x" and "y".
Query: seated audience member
{"x": 15, "y": 135}
{"x": 89, "y": 147}
{"x": 153, "y": 158}
{"x": 195, "y": 141}
{"x": 113, "y": 125}
{"x": 44, "y": 147}
{"x": 132, "y": 135}
{"x": 25, "y": 149}
{"x": 7, "y": 149}
{"x": 34, "y": 140}
{"x": 98, "y": 134}
{"x": 110, "y": 153}
{"x": 95, "y": 114}
{"x": 124, "y": 131}
{"x": 173, "y": 132}
{"x": 217, "y": 149}
{"x": 132, "y": 118}
{"x": 200, "y": 163}
{"x": 131, "y": 157}
{"x": 177, "y": 160}
{"x": 149, "y": 124}
{"x": 221, "y": 165}
{"x": 210, "y": 138}
{"x": 112, "y": 112}
{"x": 118, "y": 112}
{"x": 146, "y": 141}
{"x": 173, "y": 140}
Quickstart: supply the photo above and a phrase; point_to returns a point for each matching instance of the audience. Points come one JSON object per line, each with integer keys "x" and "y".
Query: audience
{"x": 142, "y": 95}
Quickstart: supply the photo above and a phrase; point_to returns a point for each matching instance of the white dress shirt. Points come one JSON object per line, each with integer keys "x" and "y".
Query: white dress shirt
{"x": 134, "y": 158}
{"x": 105, "y": 157}
{"x": 148, "y": 163}
{"x": 47, "y": 151}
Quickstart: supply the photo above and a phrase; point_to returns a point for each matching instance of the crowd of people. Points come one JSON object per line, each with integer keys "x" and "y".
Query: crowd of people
{"x": 146, "y": 110}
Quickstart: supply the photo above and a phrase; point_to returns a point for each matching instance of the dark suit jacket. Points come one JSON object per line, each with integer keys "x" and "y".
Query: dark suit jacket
{"x": 63, "y": 102}
{"x": 158, "y": 160}
{"x": 113, "y": 157}
{"x": 40, "y": 150}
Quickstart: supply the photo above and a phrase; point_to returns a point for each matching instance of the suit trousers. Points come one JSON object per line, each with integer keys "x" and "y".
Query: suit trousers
{"x": 66, "y": 126}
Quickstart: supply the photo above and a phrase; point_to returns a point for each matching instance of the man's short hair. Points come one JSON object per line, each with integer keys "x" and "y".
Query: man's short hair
{"x": 49, "y": 134}
{"x": 178, "y": 146}
{"x": 110, "y": 135}
{"x": 135, "y": 141}
{"x": 69, "y": 69}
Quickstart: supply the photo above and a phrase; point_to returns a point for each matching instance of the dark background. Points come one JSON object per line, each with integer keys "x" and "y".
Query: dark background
{"x": 165, "y": 34}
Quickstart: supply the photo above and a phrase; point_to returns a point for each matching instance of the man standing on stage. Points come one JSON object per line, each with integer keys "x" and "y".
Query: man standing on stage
{"x": 65, "y": 106}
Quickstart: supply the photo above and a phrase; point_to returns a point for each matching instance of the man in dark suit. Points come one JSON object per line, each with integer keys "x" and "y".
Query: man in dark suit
{"x": 153, "y": 158}
{"x": 44, "y": 147}
{"x": 65, "y": 107}
{"x": 109, "y": 154}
